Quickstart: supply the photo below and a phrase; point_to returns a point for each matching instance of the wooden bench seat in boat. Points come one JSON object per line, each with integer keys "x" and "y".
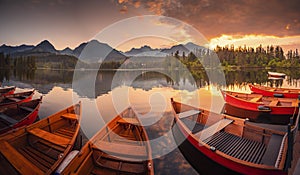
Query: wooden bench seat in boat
{"x": 114, "y": 163}
{"x": 211, "y": 130}
{"x": 121, "y": 149}
{"x": 188, "y": 113}
{"x": 23, "y": 165}
{"x": 272, "y": 150}
{"x": 8, "y": 119}
{"x": 273, "y": 103}
{"x": 132, "y": 121}
{"x": 52, "y": 138}
{"x": 70, "y": 116}
{"x": 26, "y": 108}
{"x": 256, "y": 99}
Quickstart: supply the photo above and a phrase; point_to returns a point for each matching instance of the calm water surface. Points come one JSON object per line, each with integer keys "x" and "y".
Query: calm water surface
{"x": 147, "y": 92}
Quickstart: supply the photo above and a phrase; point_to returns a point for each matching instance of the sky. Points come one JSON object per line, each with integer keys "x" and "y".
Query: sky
{"x": 68, "y": 23}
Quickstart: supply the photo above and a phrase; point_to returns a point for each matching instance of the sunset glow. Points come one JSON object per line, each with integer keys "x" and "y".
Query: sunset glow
{"x": 287, "y": 43}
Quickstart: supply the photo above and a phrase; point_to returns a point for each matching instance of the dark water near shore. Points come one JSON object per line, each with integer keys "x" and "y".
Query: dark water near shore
{"x": 149, "y": 92}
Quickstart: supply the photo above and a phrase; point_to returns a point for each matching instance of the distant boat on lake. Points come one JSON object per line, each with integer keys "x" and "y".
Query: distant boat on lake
{"x": 276, "y": 74}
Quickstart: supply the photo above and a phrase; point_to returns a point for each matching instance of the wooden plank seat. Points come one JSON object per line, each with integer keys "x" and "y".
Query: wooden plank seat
{"x": 188, "y": 113}
{"x": 272, "y": 150}
{"x": 52, "y": 138}
{"x": 118, "y": 165}
{"x": 8, "y": 119}
{"x": 238, "y": 147}
{"x": 23, "y": 165}
{"x": 134, "y": 151}
{"x": 26, "y": 108}
{"x": 211, "y": 130}
{"x": 273, "y": 103}
{"x": 132, "y": 121}
{"x": 256, "y": 99}
{"x": 70, "y": 116}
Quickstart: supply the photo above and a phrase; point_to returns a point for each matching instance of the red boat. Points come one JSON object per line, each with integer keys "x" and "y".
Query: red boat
{"x": 258, "y": 108}
{"x": 275, "y": 92}
{"x": 221, "y": 144}
{"x": 7, "y": 91}
{"x": 17, "y": 115}
{"x": 16, "y": 98}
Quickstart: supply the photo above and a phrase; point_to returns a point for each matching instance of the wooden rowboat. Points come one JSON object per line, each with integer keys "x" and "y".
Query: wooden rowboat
{"x": 7, "y": 91}
{"x": 275, "y": 92}
{"x": 17, "y": 115}
{"x": 40, "y": 147}
{"x": 258, "y": 108}
{"x": 16, "y": 98}
{"x": 276, "y": 74}
{"x": 221, "y": 144}
{"x": 121, "y": 147}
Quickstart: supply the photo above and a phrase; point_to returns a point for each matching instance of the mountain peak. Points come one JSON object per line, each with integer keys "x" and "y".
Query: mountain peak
{"x": 44, "y": 46}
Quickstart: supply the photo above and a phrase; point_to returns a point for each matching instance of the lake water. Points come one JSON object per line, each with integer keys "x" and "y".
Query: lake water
{"x": 106, "y": 93}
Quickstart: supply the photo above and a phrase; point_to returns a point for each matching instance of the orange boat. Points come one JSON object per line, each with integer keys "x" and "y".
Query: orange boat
{"x": 40, "y": 147}
{"x": 121, "y": 147}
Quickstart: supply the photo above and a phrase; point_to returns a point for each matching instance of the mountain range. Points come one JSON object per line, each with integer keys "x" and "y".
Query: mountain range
{"x": 95, "y": 51}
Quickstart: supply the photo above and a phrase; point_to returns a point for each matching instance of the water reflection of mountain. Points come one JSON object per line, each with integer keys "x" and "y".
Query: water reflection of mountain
{"x": 103, "y": 81}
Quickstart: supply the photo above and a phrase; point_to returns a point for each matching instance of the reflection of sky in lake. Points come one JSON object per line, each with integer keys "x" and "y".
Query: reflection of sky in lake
{"x": 149, "y": 94}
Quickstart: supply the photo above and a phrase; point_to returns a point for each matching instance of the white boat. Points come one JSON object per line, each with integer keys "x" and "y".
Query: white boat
{"x": 276, "y": 74}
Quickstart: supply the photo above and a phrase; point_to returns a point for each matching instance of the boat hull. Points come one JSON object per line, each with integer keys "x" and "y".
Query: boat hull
{"x": 256, "y": 115}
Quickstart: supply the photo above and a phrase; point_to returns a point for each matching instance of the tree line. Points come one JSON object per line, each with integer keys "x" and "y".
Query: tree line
{"x": 8, "y": 62}
{"x": 231, "y": 56}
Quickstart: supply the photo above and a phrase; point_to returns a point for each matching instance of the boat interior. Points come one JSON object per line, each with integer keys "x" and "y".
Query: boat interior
{"x": 15, "y": 97}
{"x": 234, "y": 138}
{"x": 14, "y": 114}
{"x": 38, "y": 148}
{"x": 270, "y": 101}
{"x": 119, "y": 148}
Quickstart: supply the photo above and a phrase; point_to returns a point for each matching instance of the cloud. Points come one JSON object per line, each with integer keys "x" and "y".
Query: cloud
{"x": 216, "y": 17}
